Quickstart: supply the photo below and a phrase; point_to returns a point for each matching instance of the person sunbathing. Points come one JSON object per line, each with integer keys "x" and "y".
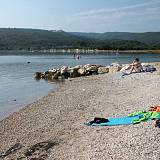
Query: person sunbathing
{"x": 136, "y": 66}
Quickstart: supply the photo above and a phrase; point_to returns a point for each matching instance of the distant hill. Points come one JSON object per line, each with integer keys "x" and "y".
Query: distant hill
{"x": 150, "y": 38}
{"x": 36, "y": 39}
{"x": 13, "y": 38}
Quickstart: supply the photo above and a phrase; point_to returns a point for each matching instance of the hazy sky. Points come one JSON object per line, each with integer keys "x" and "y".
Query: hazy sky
{"x": 82, "y": 15}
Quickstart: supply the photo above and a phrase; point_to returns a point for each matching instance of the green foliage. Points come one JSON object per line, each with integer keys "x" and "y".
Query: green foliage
{"x": 36, "y": 39}
{"x": 150, "y": 38}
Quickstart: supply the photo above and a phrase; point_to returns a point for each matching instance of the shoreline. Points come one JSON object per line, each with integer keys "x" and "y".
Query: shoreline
{"x": 16, "y": 104}
{"x": 60, "y": 115}
{"x": 71, "y": 51}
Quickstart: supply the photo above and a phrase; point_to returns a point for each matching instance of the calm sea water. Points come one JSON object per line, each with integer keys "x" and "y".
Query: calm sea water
{"x": 19, "y": 88}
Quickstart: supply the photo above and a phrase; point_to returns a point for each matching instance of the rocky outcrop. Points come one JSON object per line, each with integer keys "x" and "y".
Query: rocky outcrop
{"x": 77, "y": 71}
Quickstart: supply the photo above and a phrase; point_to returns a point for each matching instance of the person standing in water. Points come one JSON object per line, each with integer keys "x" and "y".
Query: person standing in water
{"x": 78, "y": 56}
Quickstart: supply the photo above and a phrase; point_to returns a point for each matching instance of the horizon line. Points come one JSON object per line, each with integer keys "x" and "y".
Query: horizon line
{"x": 58, "y": 30}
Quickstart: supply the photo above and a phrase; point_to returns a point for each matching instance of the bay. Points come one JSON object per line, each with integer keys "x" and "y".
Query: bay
{"x": 18, "y": 87}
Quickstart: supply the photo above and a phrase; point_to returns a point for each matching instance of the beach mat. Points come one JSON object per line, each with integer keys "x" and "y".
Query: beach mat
{"x": 116, "y": 121}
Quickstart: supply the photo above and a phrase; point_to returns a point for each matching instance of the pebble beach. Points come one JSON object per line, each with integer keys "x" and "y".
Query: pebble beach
{"x": 59, "y": 117}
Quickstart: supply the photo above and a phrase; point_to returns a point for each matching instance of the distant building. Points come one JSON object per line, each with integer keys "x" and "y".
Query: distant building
{"x": 53, "y": 30}
{"x": 56, "y": 30}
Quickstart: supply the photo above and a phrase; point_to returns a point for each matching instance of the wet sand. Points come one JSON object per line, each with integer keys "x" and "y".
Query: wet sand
{"x": 59, "y": 118}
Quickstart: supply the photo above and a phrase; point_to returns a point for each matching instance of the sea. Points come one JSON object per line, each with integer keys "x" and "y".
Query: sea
{"x": 18, "y": 87}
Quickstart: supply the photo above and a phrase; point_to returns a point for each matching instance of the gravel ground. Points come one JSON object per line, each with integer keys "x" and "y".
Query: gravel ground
{"x": 59, "y": 118}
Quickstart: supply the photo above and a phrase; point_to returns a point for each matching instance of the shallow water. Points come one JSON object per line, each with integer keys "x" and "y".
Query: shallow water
{"x": 19, "y": 88}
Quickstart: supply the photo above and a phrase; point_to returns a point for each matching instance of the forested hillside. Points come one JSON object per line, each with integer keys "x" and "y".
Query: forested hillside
{"x": 150, "y": 38}
{"x": 36, "y": 39}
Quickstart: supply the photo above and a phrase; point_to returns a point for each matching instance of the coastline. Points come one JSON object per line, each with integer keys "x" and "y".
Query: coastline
{"x": 60, "y": 115}
{"x": 71, "y": 51}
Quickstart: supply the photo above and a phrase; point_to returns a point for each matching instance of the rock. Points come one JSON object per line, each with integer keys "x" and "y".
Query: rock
{"x": 102, "y": 70}
{"x": 56, "y": 75}
{"x": 70, "y": 70}
{"x": 92, "y": 69}
{"x": 94, "y": 73}
{"x": 87, "y": 65}
{"x": 51, "y": 74}
{"x": 78, "y": 67}
{"x": 114, "y": 69}
{"x": 52, "y": 70}
{"x": 61, "y": 77}
{"x": 63, "y": 70}
{"x": 88, "y": 73}
{"x": 38, "y": 75}
{"x": 92, "y": 65}
{"x": 82, "y": 71}
{"x": 73, "y": 72}
{"x": 79, "y": 70}
{"x": 47, "y": 72}
{"x": 115, "y": 64}
{"x": 43, "y": 75}
{"x": 66, "y": 75}
{"x": 47, "y": 75}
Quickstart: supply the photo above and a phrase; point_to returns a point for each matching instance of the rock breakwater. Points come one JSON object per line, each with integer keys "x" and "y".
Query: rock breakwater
{"x": 77, "y": 71}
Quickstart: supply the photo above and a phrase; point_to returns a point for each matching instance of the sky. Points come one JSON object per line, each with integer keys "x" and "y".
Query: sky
{"x": 82, "y": 15}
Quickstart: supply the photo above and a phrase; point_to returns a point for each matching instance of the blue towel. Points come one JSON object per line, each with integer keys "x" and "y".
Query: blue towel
{"x": 116, "y": 121}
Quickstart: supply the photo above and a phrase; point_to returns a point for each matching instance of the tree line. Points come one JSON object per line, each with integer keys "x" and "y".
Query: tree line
{"x": 34, "y": 39}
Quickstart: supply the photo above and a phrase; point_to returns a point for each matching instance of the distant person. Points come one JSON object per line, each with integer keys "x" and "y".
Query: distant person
{"x": 74, "y": 56}
{"x": 78, "y": 56}
{"x": 136, "y": 66}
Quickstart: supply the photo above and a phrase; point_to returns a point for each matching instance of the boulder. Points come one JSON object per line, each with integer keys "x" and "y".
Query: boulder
{"x": 56, "y": 75}
{"x": 87, "y": 65}
{"x": 102, "y": 70}
{"x": 114, "y": 69}
{"x": 62, "y": 77}
{"x": 78, "y": 67}
{"x": 48, "y": 74}
{"x": 63, "y": 70}
{"x": 82, "y": 71}
{"x": 88, "y": 73}
{"x": 73, "y": 72}
{"x": 38, "y": 75}
{"x": 52, "y": 70}
{"x": 115, "y": 64}
{"x": 92, "y": 69}
{"x": 43, "y": 74}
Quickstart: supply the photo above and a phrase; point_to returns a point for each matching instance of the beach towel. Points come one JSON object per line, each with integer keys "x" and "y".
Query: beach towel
{"x": 133, "y": 118}
{"x": 145, "y": 116}
{"x": 115, "y": 121}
